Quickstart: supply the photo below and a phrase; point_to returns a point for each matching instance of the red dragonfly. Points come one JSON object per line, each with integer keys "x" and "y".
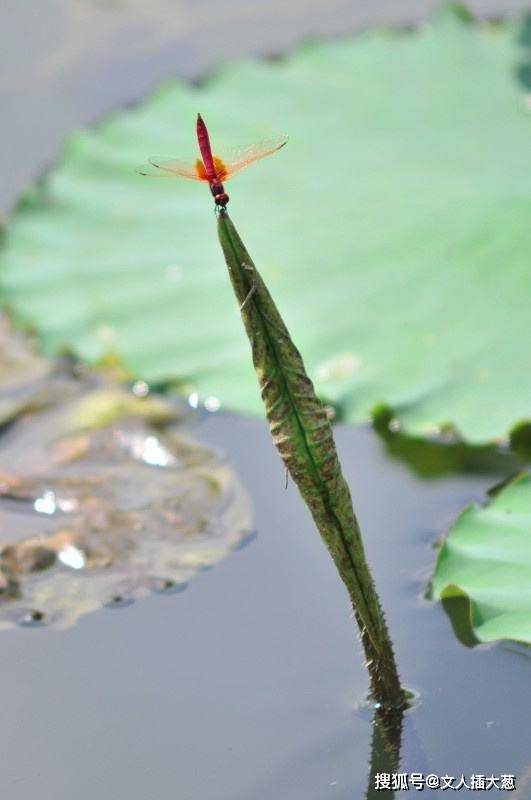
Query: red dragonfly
{"x": 212, "y": 169}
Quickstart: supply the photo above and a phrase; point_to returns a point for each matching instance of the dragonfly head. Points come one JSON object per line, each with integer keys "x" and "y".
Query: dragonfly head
{"x": 221, "y": 199}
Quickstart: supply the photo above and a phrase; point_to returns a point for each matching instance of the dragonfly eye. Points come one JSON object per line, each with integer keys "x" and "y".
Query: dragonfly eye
{"x": 221, "y": 199}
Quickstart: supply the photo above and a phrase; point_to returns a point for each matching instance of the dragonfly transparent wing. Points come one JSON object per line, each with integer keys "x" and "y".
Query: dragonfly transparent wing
{"x": 239, "y": 158}
{"x": 163, "y": 167}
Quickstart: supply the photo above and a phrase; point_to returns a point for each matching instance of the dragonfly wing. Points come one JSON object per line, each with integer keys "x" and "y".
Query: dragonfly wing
{"x": 239, "y": 158}
{"x": 149, "y": 171}
{"x": 163, "y": 167}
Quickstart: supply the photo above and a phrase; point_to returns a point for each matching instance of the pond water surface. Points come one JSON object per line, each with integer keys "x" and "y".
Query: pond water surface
{"x": 248, "y": 684}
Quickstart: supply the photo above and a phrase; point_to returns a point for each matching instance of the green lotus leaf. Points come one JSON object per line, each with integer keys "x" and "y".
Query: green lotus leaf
{"x": 483, "y": 573}
{"x": 393, "y": 230}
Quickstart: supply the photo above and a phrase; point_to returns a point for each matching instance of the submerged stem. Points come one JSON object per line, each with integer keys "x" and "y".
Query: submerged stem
{"x": 303, "y": 436}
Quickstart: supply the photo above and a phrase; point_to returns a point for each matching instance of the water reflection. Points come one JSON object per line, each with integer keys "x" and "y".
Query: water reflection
{"x": 445, "y": 454}
{"x": 385, "y": 753}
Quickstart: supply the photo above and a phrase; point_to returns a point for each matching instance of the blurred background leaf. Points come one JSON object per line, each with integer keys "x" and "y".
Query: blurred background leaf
{"x": 393, "y": 229}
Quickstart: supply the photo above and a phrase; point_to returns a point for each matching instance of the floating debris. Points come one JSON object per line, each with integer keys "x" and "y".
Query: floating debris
{"x": 103, "y": 500}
